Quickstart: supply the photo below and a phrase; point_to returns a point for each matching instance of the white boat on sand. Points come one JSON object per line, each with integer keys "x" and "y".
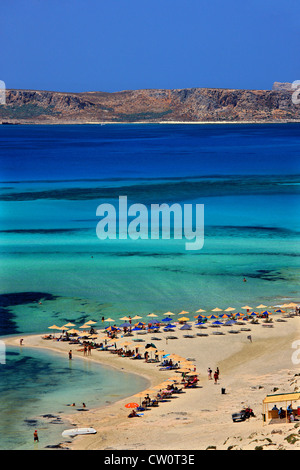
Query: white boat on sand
{"x": 78, "y": 431}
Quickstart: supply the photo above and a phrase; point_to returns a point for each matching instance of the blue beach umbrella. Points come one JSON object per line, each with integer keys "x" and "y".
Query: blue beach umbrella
{"x": 230, "y": 322}
{"x": 167, "y": 319}
{"x": 217, "y": 322}
{"x": 136, "y": 329}
{"x": 125, "y": 325}
{"x": 185, "y": 327}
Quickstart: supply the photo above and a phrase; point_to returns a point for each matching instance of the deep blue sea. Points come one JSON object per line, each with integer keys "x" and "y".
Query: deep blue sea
{"x": 54, "y": 268}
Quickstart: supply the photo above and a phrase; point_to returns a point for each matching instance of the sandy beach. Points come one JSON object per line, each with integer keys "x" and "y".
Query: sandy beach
{"x": 199, "y": 418}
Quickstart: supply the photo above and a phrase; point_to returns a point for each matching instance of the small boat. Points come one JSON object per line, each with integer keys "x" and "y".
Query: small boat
{"x": 78, "y": 431}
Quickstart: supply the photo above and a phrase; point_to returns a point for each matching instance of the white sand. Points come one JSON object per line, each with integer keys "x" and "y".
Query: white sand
{"x": 200, "y": 417}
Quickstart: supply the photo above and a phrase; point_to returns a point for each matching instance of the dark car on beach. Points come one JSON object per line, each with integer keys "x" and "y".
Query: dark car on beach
{"x": 242, "y": 415}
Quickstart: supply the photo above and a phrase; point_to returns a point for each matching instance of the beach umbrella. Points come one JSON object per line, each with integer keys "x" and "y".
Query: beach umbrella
{"x": 186, "y": 327}
{"x": 213, "y": 317}
{"x": 229, "y": 309}
{"x": 279, "y": 311}
{"x": 125, "y": 325}
{"x": 125, "y": 318}
{"x": 168, "y": 313}
{"x": 183, "y": 369}
{"x": 167, "y": 319}
{"x": 217, "y": 322}
{"x": 262, "y": 306}
{"x": 69, "y": 324}
{"x": 246, "y": 307}
{"x": 131, "y": 405}
{"x": 151, "y": 315}
{"x": 91, "y": 322}
{"x": 183, "y": 319}
{"x": 200, "y": 310}
{"x": 216, "y": 309}
{"x": 136, "y": 317}
{"x": 54, "y": 327}
{"x": 182, "y": 312}
{"x": 224, "y": 316}
{"x": 266, "y": 312}
{"x": 109, "y": 319}
{"x": 73, "y": 332}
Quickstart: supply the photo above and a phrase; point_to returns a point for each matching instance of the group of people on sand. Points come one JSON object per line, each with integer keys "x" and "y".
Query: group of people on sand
{"x": 282, "y": 413}
{"x": 216, "y": 374}
{"x": 161, "y": 396}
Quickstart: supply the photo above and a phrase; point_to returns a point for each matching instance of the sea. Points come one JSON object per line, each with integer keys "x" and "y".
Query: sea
{"x": 54, "y": 268}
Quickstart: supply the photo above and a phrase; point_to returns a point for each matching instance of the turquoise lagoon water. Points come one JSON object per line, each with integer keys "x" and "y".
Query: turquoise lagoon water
{"x": 37, "y": 387}
{"x": 54, "y": 269}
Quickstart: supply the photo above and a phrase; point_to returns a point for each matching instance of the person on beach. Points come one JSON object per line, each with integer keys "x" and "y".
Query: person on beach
{"x": 70, "y": 354}
{"x": 21, "y": 342}
{"x": 216, "y": 377}
{"x": 35, "y": 436}
{"x": 209, "y": 373}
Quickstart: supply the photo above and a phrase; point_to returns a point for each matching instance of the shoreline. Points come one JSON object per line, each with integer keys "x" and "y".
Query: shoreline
{"x": 103, "y": 123}
{"x": 199, "y": 417}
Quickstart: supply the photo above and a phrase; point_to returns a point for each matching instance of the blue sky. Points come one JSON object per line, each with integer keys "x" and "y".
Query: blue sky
{"x": 112, "y": 45}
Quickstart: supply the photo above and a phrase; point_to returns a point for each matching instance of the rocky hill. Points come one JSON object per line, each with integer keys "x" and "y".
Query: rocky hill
{"x": 191, "y": 104}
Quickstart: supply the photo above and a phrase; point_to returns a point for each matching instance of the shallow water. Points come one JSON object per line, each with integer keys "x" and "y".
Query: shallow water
{"x": 37, "y": 386}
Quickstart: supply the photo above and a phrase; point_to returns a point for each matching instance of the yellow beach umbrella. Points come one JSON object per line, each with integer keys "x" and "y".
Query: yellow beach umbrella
{"x": 217, "y": 309}
{"x": 91, "y": 322}
{"x": 109, "y": 319}
{"x": 151, "y": 315}
{"x": 246, "y": 307}
{"x": 182, "y": 312}
{"x": 229, "y": 309}
{"x": 69, "y": 324}
{"x": 262, "y": 306}
{"x": 72, "y": 331}
{"x": 183, "y": 319}
{"x": 124, "y": 318}
{"x": 54, "y": 327}
{"x": 136, "y": 317}
{"x": 168, "y": 313}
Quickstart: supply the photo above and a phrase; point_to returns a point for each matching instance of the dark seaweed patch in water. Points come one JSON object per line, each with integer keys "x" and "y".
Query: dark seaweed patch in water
{"x": 9, "y": 300}
{"x": 43, "y": 231}
{"x": 268, "y": 275}
{"x": 168, "y": 191}
{"x": 7, "y": 323}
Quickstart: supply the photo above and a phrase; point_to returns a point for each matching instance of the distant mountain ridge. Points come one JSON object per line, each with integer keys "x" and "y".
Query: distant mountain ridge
{"x": 152, "y": 105}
